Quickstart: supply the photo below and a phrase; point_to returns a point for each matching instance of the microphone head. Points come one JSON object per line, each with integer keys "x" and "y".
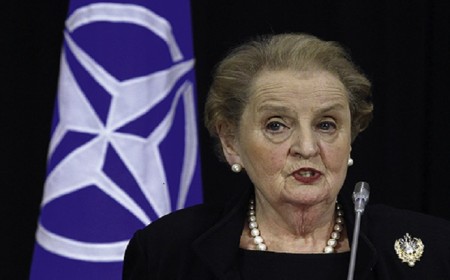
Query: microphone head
{"x": 361, "y": 191}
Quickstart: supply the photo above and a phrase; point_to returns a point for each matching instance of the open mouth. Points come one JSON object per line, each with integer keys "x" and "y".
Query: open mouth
{"x": 307, "y": 175}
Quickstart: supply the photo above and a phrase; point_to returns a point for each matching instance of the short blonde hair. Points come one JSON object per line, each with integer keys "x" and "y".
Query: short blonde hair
{"x": 234, "y": 75}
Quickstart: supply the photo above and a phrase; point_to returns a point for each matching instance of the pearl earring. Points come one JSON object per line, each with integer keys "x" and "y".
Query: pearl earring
{"x": 236, "y": 168}
{"x": 350, "y": 162}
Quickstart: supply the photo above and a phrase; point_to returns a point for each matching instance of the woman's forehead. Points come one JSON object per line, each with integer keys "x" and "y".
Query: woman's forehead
{"x": 271, "y": 87}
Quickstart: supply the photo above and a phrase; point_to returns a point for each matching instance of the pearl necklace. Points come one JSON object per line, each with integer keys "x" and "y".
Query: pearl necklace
{"x": 259, "y": 241}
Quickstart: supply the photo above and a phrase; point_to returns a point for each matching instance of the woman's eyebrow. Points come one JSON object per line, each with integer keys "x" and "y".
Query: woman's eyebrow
{"x": 285, "y": 109}
{"x": 331, "y": 107}
{"x": 274, "y": 108}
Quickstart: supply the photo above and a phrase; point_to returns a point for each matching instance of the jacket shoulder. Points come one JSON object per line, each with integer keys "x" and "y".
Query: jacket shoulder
{"x": 182, "y": 225}
{"x": 388, "y": 224}
{"x": 158, "y": 250}
{"x": 399, "y": 219}
{"x": 388, "y": 227}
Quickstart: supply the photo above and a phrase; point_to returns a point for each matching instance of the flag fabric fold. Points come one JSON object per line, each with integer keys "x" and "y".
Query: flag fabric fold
{"x": 124, "y": 146}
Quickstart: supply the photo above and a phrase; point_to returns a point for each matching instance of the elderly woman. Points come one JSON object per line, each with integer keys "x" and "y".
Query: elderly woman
{"x": 285, "y": 109}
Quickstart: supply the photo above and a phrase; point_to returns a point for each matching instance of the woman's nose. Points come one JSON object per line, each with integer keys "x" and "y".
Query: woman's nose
{"x": 304, "y": 144}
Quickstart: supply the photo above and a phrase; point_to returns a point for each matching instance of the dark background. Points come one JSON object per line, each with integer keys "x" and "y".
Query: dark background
{"x": 403, "y": 46}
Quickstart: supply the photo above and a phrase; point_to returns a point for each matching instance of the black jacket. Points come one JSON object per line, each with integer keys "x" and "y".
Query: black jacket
{"x": 202, "y": 242}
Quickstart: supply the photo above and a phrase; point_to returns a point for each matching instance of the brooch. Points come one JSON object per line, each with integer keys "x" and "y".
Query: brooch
{"x": 409, "y": 249}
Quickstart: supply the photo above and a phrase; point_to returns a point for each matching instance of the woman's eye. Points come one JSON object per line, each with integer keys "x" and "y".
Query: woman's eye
{"x": 275, "y": 126}
{"x": 327, "y": 126}
{"x": 277, "y": 129}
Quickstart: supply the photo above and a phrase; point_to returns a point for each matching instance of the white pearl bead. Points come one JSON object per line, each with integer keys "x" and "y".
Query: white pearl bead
{"x": 328, "y": 250}
{"x": 236, "y": 168}
{"x": 338, "y": 228}
{"x": 254, "y": 232}
{"x": 252, "y": 219}
{"x": 332, "y": 242}
{"x": 252, "y": 225}
{"x": 335, "y": 235}
{"x": 258, "y": 240}
{"x": 350, "y": 162}
{"x": 261, "y": 247}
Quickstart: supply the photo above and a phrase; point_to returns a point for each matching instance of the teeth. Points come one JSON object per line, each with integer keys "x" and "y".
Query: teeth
{"x": 306, "y": 173}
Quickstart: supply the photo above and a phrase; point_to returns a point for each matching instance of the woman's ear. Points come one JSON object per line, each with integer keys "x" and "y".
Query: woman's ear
{"x": 230, "y": 144}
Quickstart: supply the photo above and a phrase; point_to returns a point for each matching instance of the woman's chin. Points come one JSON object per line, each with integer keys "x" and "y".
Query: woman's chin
{"x": 308, "y": 195}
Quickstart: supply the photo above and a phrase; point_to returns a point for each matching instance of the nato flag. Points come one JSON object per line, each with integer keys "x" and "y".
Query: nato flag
{"x": 124, "y": 146}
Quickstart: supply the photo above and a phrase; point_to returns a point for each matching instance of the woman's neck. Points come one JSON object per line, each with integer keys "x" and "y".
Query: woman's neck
{"x": 295, "y": 229}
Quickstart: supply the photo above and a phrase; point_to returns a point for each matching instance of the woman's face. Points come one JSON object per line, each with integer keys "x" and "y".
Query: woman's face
{"x": 294, "y": 137}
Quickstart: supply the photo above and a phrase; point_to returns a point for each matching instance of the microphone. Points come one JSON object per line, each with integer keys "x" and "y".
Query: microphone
{"x": 360, "y": 198}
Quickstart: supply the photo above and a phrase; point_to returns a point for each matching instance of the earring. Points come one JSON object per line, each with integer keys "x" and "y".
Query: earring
{"x": 236, "y": 168}
{"x": 350, "y": 162}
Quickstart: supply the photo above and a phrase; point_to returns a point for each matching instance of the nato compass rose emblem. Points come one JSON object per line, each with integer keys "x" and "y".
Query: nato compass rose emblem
{"x": 112, "y": 136}
{"x": 409, "y": 249}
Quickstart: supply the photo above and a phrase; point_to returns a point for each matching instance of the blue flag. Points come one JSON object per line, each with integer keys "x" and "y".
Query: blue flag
{"x": 124, "y": 146}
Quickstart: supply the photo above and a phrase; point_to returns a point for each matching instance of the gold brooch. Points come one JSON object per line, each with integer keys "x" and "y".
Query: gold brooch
{"x": 409, "y": 249}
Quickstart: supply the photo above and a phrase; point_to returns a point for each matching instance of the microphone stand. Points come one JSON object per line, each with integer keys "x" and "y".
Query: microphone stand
{"x": 351, "y": 268}
{"x": 360, "y": 199}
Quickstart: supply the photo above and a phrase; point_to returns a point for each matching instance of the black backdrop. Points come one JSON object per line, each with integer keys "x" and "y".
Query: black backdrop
{"x": 403, "y": 46}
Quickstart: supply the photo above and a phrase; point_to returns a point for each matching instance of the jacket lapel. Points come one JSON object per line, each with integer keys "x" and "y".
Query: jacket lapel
{"x": 218, "y": 248}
